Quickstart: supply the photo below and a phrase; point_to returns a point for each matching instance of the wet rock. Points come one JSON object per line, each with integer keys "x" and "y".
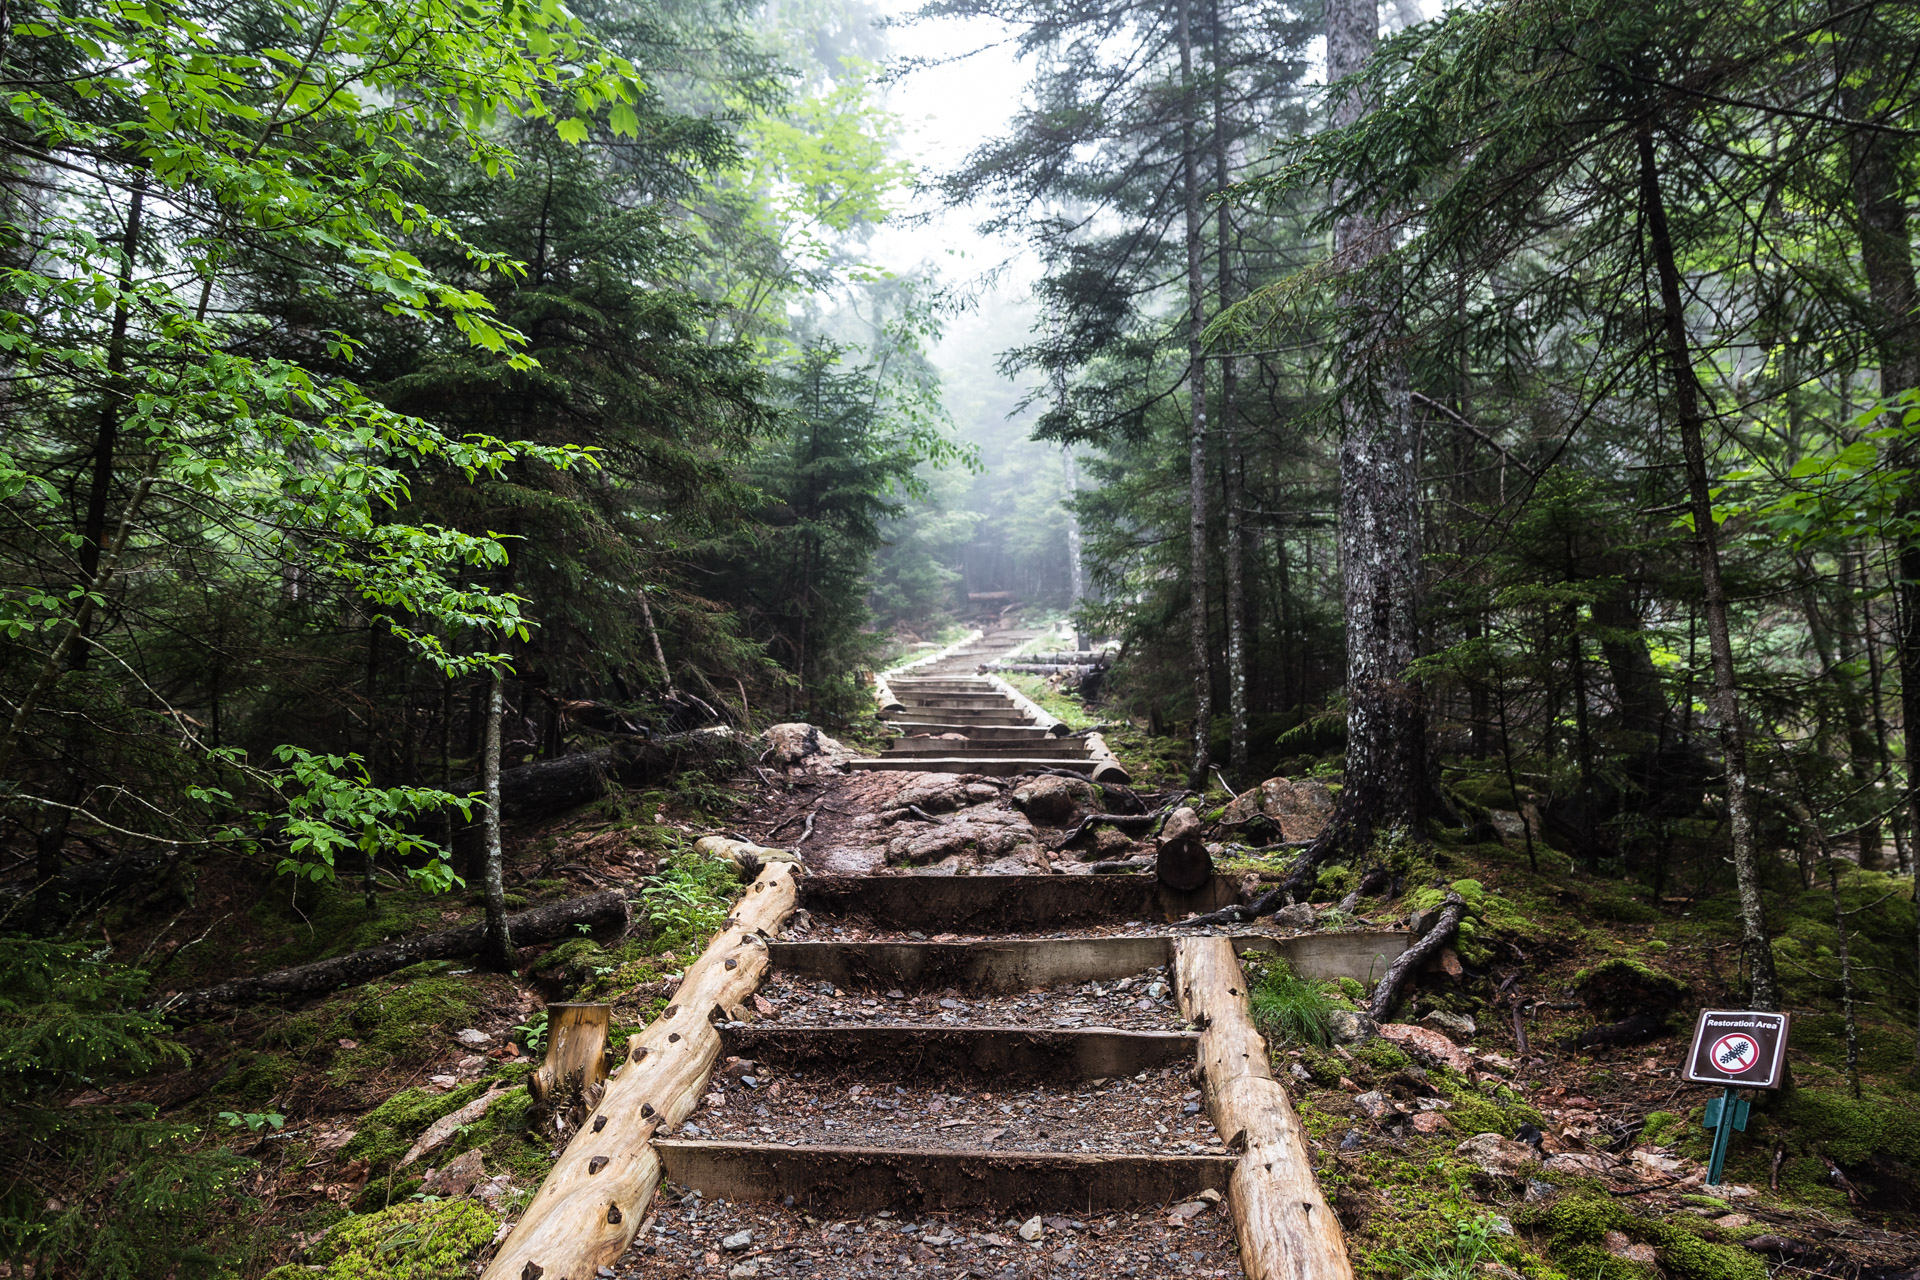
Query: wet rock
{"x": 1057, "y": 802}
{"x": 1298, "y": 809}
{"x": 1456, "y": 1027}
{"x": 1427, "y": 1045}
{"x": 1298, "y": 916}
{"x": 1348, "y": 1026}
{"x": 1502, "y": 1157}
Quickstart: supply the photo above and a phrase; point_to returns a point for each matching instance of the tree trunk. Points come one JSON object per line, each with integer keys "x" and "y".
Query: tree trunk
{"x": 1754, "y": 943}
{"x": 1201, "y": 656}
{"x": 499, "y": 936}
{"x": 1386, "y": 782}
{"x": 1076, "y": 559}
{"x": 1232, "y": 462}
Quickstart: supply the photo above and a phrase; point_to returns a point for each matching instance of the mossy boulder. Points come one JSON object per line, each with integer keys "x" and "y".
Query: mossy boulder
{"x": 423, "y": 1240}
{"x": 1622, "y": 986}
{"x": 1576, "y": 1228}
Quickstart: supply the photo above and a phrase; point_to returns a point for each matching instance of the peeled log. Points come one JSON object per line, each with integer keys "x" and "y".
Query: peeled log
{"x": 568, "y": 1078}
{"x": 1184, "y": 864}
{"x": 585, "y": 1213}
{"x": 1284, "y": 1224}
{"x": 741, "y": 853}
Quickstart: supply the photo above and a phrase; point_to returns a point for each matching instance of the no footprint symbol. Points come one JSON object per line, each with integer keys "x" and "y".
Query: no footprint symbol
{"x": 1735, "y": 1053}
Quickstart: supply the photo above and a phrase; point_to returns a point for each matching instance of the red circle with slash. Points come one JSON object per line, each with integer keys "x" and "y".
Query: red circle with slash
{"x": 1735, "y": 1053}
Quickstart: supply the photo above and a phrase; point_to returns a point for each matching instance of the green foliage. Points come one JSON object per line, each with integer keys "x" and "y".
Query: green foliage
{"x": 1457, "y": 1259}
{"x": 1288, "y": 1009}
{"x": 419, "y": 1241}
{"x": 1576, "y": 1226}
{"x": 689, "y": 898}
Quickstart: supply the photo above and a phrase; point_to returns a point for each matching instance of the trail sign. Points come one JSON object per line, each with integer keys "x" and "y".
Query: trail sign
{"x": 1741, "y": 1049}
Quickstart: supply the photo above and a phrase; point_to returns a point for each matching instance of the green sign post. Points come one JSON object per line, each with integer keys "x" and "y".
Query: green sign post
{"x": 1740, "y": 1049}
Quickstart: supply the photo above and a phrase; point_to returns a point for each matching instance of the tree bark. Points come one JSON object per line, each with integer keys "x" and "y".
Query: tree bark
{"x": 1201, "y": 656}
{"x": 1386, "y": 784}
{"x": 1233, "y": 461}
{"x": 1754, "y": 943}
{"x": 602, "y": 911}
{"x": 499, "y": 934}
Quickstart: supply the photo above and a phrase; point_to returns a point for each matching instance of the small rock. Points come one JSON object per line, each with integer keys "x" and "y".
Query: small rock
{"x": 1450, "y": 963}
{"x": 1349, "y": 1027}
{"x": 1427, "y": 1045}
{"x": 949, "y": 1003}
{"x": 473, "y": 1038}
{"x": 1031, "y": 1230}
{"x": 456, "y": 1177}
{"x": 1299, "y": 1073}
{"x": 1352, "y": 1141}
{"x": 1501, "y": 1226}
{"x": 1373, "y": 1104}
{"x": 1191, "y": 1209}
{"x": 1421, "y": 921}
{"x": 1456, "y": 1027}
{"x": 737, "y": 1067}
{"x": 1431, "y": 1122}
{"x": 1062, "y": 1256}
{"x": 743, "y": 1271}
{"x": 1617, "y": 1244}
{"x": 1733, "y": 1222}
{"x": 1157, "y": 990}
{"x": 1502, "y": 1157}
{"x": 1298, "y": 916}
{"x": 737, "y": 1241}
{"x": 1539, "y": 1189}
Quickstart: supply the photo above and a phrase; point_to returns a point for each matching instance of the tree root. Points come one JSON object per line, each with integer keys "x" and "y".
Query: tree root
{"x": 1401, "y": 971}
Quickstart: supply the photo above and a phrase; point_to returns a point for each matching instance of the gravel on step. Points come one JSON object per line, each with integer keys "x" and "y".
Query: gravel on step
{"x": 683, "y": 1236}
{"x": 1143, "y": 1002}
{"x": 1153, "y": 1113}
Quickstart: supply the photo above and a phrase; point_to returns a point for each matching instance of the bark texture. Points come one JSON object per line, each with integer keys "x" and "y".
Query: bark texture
{"x": 1757, "y": 948}
{"x": 585, "y": 1213}
{"x": 1286, "y": 1229}
{"x": 1196, "y": 419}
{"x": 499, "y": 935}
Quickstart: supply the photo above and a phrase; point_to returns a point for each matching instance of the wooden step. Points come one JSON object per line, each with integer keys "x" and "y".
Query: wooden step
{"x": 1006, "y": 904}
{"x": 964, "y": 716}
{"x": 973, "y": 1054}
{"x": 843, "y": 1180}
{"x": 998, "y": 965}
{"x": 989, "y": 766}
{"x": 980, "y": 731}
{"x": 929, "y": 746}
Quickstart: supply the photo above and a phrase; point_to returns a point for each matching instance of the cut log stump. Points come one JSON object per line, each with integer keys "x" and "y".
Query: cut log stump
{"x": 1286, "y": 1229}
{"x": 568, "y": 1081}
{"x": 585, "y": 1213}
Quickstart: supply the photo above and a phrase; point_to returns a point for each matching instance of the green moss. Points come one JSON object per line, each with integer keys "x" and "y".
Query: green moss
{"x": 255, "y": 1077}
{"x": 1383, "y": 1055}
{"x": 1624, "y": 986}
{"x": 1660, "y": 1126}
{"x": 1576, "y": 1227}
{"x": 1352, "y": 989}
{"x": 427, "y": 1240}
{"x": 1655, "y": 946}
{"x": 1502, "y": 1111}
{"x": 1336, "y": 880}
{"x": 390, "y": 1128}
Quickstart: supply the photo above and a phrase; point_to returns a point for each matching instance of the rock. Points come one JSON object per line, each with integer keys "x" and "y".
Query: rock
{"x": 1348, "y": 1026}
{"x": 1617, "y": 1244}
{"x": 1352, "y": 1141}
{"x": 1431, "y": 1122}
{"x": 442, "y": 1130}
{"x": 801, "y": 748}
{"x": 1733, "y": 1222}
{"x": 1373, "y": 1104}
{"x": 1111, "y": 844}
{"x": 1502, "y": 1157}
{"x": 1578, "y": 1164}
{"x": 1450, "y": 963}
{"x": 1539, "y": 1189}
{"x": 1182, "y": 1212}
{"x": 1427, "y": 1045}
{"x": 1030, "y": 1230}
{"x": 1422, "y": 920}
{"x": 743, "y": 1271}
{"x": 1298, "y": 809}
{"x": 737, "y": 1067}
{"x": 1057, "y": 802}
{"x": 1455, "y": 1026}
{"x": 1297, "y": 916}
{"x": 494, "y": 1192}
{"x": 456, "y": 1177}
{"x": 473, "y": 1038}
{"x": 1209, "y": 1195}
{"x": 976, "y": 833}
{"x": 1300, "y": 1073}
{"x": 737, "y": 1241}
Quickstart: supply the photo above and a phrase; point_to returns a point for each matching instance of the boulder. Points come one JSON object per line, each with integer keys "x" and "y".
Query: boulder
{"x": 1502, "y": 1157}
{"x": 1427, "y": 1045}
{"x": 456, "y": 1177}
{"x": 1298, "y": 809}
{"x": 1297, "y": 916}
{"x": 944, "y": 792}
{"x": 1057, "y": 802}
{"x": 798, "y": 747}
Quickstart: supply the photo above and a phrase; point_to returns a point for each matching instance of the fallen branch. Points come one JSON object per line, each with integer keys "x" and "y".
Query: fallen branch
{"x": 1118, "y": 821}
{"x": 541, "y": 924}
{"x": 1401, "y": 971}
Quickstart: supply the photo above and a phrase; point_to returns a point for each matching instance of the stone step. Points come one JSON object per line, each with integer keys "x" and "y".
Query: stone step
{"x": 993, "y": 1055}
{"x": 1005, "y": 904}
{"x": 931, "y": 746}
{"x": 987, "y": 766}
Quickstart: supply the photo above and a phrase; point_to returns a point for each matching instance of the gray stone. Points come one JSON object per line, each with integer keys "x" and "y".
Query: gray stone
{"x": 1456, "y": 1027}
{"x": 1298, "y": 916}
{"x": 737, "y": 1241}
{"x": 1502, "y": 1157}
{"x": 1347, "y": 1026}
{"x": 1030, "y": 1230}
{"x": 1373, "y": 1104}
{"x": 1539, "y": 1188}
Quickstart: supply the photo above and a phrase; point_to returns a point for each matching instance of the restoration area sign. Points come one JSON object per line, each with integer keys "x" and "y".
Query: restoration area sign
{"x": 1739, "y": 1048}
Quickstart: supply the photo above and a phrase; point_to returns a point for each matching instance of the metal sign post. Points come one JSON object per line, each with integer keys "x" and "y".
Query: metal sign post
{"x": 1737, "y": 1048}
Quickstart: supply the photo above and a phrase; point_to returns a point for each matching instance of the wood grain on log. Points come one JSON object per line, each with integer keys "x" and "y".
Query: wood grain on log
{"x": 743, "y": 854}
{"x": 542, "y": 924}
{"x": 1284, "y": 1224}
{"x": 575, "y": 1064}
{"x": 586, "y": 1212}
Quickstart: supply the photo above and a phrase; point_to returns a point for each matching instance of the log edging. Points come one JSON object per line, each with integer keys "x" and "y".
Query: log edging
{"x": 593, "y": 1199}
{"x": 1285, "y": 1227}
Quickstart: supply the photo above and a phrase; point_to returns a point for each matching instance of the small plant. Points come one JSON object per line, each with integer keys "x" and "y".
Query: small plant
{"x": 254, "y": 1121}
{"x": 533, "y": 1032}
{"x": 1290, "y": 1010}
{"x": 1456, "y": 1259}
{"x": 688, "y": 899}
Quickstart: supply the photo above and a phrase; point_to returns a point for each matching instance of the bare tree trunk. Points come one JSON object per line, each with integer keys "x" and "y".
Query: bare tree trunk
{"x": 499, "y": 939}
{"x": 653, "y": 638}
{"x": 1236, "y": 536}
{"x": 1196, "y": 422}
{"x": 1386, "y": 784}
{"x": 1757, "y": 947}
{"x": 1076, "y": 562}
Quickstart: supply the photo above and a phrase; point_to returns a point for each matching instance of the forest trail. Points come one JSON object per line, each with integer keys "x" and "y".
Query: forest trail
{"x": 962, "y": 1074}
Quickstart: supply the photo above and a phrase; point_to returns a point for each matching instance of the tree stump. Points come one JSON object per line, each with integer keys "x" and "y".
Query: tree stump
{"x": 568, "y": 1081}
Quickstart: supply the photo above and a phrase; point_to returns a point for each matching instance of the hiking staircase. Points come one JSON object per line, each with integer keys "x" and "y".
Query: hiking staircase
{"x": 953, "y": 719}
